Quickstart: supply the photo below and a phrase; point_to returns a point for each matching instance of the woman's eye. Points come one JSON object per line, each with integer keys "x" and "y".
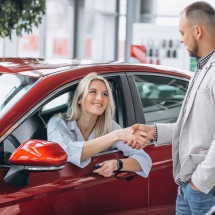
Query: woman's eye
{"x": 105, "y": 94}
{"x": 93, "y": 92}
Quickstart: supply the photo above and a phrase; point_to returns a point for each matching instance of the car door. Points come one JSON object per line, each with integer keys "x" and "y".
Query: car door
{"x": 128, "y": 193}
{"x": 73, "y": 190}
{"x": 160, "y": 97}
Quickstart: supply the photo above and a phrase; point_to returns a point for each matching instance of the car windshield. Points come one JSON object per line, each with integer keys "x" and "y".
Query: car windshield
{"x": 12, "y": 88}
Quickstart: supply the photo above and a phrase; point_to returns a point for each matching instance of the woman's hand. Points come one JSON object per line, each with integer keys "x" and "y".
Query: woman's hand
{"x": 146, "y": 131}
{"x": 107, "y": 168}
{"x": 127, "y": 134}
{"x": 137, "y": 136}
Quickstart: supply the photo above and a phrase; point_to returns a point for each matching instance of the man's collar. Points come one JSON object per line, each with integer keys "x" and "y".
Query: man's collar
{"x": 200, "y": 62}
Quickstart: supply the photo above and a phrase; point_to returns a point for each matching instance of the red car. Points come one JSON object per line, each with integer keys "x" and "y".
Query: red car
{"x": 35, "y": 176}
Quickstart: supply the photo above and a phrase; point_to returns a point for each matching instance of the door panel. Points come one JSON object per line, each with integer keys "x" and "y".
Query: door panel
{"x": 159, "y": 99}
{"x": 73, "y": 190}
{"x": 116, "y": 195}
{"x": 162, "y": 188}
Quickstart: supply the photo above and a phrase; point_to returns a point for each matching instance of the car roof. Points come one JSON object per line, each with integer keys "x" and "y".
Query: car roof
{"x": 37, "y": 67}
{"x": 40, "y": 67}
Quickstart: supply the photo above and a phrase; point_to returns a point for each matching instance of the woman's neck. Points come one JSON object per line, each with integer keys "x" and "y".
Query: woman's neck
{"x": 86, "y": 125}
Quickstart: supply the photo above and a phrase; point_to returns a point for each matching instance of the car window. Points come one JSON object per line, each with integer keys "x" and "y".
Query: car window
{"x": 13, "y": 88}
{"x": 161, "y": 97}
{"x": 57, "y": 102}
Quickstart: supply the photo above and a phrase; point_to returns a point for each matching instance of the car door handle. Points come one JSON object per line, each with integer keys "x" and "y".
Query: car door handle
{"x": 128, "y": 176}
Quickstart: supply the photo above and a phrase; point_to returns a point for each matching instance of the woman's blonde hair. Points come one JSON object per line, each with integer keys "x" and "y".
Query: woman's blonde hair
{"x": 104, "y": 122}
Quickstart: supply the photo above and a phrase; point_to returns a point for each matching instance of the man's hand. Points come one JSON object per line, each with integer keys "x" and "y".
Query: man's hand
{"x": 193, "y": 187}
{"x": 147, "y": 131}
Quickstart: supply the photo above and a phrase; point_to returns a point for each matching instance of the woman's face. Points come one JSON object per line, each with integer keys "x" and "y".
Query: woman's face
{"x": 97, "y": 98}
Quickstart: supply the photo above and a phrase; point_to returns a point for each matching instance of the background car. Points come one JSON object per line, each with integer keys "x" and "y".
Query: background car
{"x": 38, "y": 180}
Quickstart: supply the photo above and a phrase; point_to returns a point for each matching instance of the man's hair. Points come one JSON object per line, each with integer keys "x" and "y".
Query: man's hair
{"x": 200, "y": 12}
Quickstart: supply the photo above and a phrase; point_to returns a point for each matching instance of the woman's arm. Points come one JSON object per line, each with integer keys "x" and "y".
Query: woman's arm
{"x": 80, "y": 152}
{"x": 99, "y": 144}
{"x": 58, "y": 131}
{"x": 108, "y": 167}
{"x": 138, "y": 160}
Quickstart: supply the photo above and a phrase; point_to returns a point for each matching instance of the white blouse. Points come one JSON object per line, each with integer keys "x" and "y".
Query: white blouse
{"x": 69, "y": 137}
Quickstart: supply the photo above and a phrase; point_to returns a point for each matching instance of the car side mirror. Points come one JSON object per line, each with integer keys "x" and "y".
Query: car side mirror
{"x": 34, "y": 155}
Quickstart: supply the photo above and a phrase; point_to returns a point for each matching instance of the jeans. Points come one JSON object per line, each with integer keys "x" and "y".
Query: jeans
{"x": 191, "y": 202}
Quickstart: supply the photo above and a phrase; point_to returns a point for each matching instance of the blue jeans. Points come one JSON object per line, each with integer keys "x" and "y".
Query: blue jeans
{"x": 191, "y": 202}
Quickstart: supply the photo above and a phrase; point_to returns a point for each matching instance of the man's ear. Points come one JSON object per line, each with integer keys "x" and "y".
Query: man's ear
{"x": 198, "y": 31}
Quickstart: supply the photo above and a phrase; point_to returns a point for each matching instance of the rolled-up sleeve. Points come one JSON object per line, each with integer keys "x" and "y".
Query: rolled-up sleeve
{"x": 59, "y": 133}
{"x": 139, "y": 155}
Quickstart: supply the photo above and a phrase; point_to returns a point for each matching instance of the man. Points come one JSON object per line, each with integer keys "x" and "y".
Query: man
{"x": 193, "y": 135}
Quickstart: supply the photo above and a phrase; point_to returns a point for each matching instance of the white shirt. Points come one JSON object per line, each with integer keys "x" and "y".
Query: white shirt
{"x": 69, "y": 137}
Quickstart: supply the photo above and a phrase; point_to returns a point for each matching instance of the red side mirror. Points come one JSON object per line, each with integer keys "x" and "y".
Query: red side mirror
{"x": 39, "y": 153}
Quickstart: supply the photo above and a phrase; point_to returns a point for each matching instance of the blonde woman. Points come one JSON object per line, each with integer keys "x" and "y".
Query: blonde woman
{"x": 88, "y": 128}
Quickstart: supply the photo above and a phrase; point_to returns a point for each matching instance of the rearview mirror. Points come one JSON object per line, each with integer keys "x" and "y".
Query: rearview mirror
{"x": 34, "y": 155}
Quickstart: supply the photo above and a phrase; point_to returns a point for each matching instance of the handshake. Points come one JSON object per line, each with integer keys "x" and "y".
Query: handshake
{"x": 140, "y": 135}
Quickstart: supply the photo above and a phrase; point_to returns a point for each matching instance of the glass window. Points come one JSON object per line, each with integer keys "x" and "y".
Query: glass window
{"x": 1, "y": 47}
{"x": 28, "y": 44}
{"x": 168, "y": 11}
{"x": 100, "y": 22}
{"x": 57, "y": 102}
{"x": 12, "y": 88}
{"x": 59, "y": 17}
{"x": 161, "y": 97}
{"x": 122, "y": 30}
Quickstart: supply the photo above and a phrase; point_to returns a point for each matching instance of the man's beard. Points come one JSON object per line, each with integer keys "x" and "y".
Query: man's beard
{"x": 194, "y": 52}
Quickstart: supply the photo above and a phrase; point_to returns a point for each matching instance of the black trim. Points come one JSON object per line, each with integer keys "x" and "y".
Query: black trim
{"x": 137, "y": 105}
{"x": 123, "y": 101}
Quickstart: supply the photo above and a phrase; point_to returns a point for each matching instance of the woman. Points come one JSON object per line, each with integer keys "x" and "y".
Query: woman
{"x": 88, "y": 128}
